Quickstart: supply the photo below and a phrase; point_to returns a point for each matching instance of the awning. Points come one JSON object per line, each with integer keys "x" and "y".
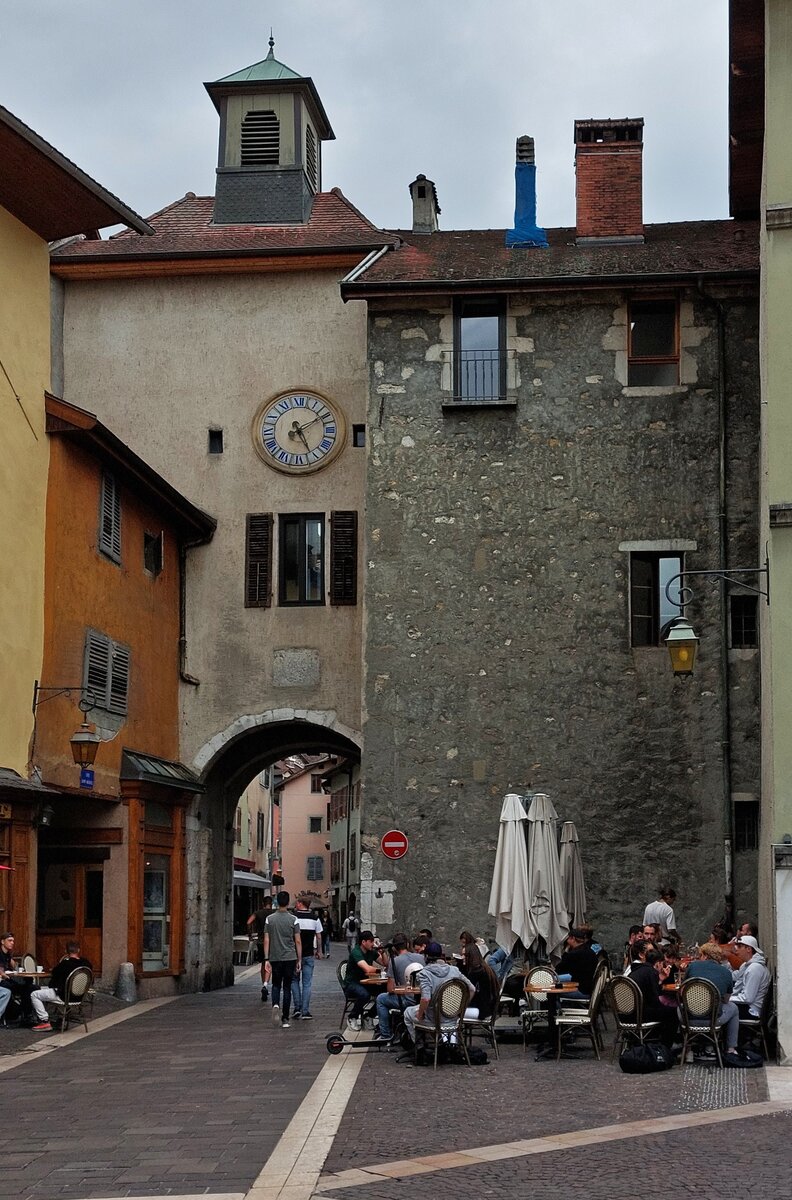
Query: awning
{"x": 249, "y": 879}
{"x": 162, "y": 771}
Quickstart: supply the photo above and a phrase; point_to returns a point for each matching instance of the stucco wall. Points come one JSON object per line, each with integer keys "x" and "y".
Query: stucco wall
{"x": 497, "y": 650}
{"x": 298, "y": 805}
{"x": 24, "y": 351}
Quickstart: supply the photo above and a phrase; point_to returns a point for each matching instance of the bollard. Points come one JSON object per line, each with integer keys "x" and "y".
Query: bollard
{"x": 126, "y": 988}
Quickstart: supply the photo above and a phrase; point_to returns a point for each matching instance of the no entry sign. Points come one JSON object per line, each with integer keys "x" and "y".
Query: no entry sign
{"x": 394, "y": 844}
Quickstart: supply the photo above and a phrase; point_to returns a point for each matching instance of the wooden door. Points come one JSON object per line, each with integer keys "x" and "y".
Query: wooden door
{"x": 70, "y": 909}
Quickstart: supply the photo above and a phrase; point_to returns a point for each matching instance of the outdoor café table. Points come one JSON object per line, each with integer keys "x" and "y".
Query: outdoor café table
{"x": 552, "y": 994}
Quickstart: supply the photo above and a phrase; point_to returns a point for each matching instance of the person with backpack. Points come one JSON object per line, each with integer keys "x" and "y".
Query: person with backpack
{"x": 350, "y": 930}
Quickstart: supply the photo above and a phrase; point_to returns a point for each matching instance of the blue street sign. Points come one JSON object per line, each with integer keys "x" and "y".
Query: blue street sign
{"x": 86, "y": 777}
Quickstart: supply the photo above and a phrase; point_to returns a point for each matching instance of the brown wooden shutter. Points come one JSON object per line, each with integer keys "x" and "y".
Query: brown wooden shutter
{"x": 258, "y": 561}
{"x": 343, "y": 557}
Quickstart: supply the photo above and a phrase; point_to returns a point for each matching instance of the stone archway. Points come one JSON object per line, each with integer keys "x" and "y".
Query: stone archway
{"x": 226, "y": 764}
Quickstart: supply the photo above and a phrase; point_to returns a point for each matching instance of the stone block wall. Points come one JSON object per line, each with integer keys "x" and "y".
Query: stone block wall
{"x": 497, "y": 646}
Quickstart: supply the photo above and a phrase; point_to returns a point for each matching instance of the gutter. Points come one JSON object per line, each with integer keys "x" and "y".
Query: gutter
{"x": 363, "y": 266}
{"x": 163, "y": 255}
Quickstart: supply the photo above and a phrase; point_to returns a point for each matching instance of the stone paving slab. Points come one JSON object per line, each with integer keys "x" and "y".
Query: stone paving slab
{"x": 513, "y": 1098}
{"x": 733, "y": 1161}
{"x": 189, "y": 1098}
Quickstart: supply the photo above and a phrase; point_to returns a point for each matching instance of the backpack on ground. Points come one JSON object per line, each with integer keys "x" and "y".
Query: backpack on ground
{"x": 743, "y": 1058}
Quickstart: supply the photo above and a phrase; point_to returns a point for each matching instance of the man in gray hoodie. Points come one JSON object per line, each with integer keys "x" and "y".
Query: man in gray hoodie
{"x": 434, "y": 974}
{"x": 751, "y": 979}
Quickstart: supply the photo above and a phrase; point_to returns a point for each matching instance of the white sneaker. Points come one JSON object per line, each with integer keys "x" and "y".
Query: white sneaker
{"x": 276, "y": 1014}
{"x": 354, "y": 1023}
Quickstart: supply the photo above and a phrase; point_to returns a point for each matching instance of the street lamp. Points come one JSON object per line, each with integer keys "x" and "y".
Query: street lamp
{"x": 681, "y": 640}
{"x": 84, "y": 741}
{"x": 84, "y": 744}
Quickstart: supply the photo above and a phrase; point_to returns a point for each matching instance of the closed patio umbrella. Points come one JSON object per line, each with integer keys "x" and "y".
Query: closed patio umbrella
{"x": 572, "y": 874}
{"x": 547, "y": 912}
{"x": 508, "y": 901}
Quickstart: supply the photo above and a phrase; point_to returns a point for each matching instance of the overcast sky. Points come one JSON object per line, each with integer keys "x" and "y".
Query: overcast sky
{"x": 442, "y": 87}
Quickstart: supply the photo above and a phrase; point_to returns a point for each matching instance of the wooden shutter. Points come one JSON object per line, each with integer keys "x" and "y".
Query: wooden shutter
{"x": 110, "y": 518}
{"x": 119, "y": 679}
{"x": 96, "y": 674}
{"x": 343, "y": 557}
{"x": 258, "y": 560}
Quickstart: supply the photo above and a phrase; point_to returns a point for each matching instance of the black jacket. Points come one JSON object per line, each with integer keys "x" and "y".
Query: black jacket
{"x": 62, "y": 972}
{"x": 581, "y": 964}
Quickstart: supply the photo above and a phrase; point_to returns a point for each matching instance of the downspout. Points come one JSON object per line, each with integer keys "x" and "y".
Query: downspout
{"x": 723, "y": 542}
{"x": 183, "y": 548}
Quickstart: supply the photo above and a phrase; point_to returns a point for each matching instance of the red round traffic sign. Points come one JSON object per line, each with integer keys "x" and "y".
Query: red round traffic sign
{"x": 394, "y": 844}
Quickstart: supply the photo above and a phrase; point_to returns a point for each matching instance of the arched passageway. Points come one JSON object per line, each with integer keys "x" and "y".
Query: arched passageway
{"x": 226, "y": 764}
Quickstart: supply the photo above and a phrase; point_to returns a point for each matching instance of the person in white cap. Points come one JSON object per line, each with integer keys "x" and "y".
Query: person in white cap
{"x": 751, "y": 979}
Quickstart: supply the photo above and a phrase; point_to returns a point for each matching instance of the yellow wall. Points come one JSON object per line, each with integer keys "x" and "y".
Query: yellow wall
{"x": 24, "y": 352}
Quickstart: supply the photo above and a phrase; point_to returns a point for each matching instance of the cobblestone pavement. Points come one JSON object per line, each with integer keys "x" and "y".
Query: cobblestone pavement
{"x": 188, "y": 1098}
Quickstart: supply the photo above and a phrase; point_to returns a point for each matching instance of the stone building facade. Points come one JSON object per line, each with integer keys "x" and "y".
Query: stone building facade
{"x": 521, "y": 525}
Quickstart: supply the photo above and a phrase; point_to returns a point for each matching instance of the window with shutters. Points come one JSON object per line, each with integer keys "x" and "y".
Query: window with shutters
{"x": 110, "y": 518}
{"x": 153, "y": 553}
{"x": 650, "y": 607}
{"x": 301, "y": 559}
{"x": 311, "y": 161}
{"x": 258, "y": 560}
{"x": 260, "y": 140}
{"x": 106, "y": 672}
{"x": 314, "y": 868}
{"x": 343, "y": 558}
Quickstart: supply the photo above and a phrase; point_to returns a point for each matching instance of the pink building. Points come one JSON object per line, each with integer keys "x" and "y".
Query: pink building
{"x": 304, "y": 828}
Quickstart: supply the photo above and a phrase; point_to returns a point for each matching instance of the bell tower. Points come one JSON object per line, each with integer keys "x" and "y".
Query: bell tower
{"x": 272, "y": 125}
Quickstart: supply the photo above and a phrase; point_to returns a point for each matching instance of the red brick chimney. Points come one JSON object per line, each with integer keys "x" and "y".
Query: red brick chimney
{"x": 609, "y": 180}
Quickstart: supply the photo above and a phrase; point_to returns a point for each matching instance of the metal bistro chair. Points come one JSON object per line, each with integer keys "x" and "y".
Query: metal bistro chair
{"x": 483, "y": 1027}
{"x": 77, "y": 989}
{"x": 448, "y": 1008}
{"x": 534, "y": 1013}
{"x": 584, "y": 1020}
{"x": 757, "y": 1026}
{"x": 341, "y": 971}
{"x": 699, "y": 1006}
{"x": 626, "y": 1002}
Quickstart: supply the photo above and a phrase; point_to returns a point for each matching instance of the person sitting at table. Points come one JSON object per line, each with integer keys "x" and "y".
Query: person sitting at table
{"x": 648, "y": 978}
{"x": 651, "y": 935}
{"x": 57, "y": 985}
{"x": 710, "y": 965}
{"x": 365, "y": 961}
{"x": 391, "y": 1000}
{"x": 673, "y": 960}
{"x": 752, "y": 979}
{"x": 10, "y": 986}
{"x": 634, "y": 932}
{"x": 484, "y": 980}
{"x": 429, "y": 979}
{"x": 579, "y": 963}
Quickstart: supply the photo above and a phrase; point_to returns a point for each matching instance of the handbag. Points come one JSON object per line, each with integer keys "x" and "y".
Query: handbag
{"x": 645, "y": 1058}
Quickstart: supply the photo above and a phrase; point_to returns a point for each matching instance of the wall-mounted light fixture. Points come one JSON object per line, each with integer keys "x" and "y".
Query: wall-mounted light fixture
{"x": 681, "y": 640}
{"x": 84, "y": 741}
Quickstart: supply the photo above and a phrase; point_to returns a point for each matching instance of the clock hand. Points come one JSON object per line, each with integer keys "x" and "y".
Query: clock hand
{"x": 307, "y": 424}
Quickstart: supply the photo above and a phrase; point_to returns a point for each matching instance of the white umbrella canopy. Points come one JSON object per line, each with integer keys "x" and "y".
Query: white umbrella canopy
{"x": 547, "y": 911}
{"x": 508, "y": 901}
{"x": 572, "y": 874}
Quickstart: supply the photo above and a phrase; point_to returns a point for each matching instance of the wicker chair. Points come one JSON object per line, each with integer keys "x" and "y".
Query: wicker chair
{"x": 699, "y": 1007}
{"x": 448, "y": 1010}
{"x": 76, "y": 991}
{"x": 574, "y": 1020}
{"x": 755, "y": 1027}
{"x": 626, "y": 1002}
{"x": 535, "y": 1013}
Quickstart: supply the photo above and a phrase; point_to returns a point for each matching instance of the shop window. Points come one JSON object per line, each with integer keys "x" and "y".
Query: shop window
{"x": 653, "y": 351}
{"x": 156, "y": 912}
{"x": 156, "y": 815}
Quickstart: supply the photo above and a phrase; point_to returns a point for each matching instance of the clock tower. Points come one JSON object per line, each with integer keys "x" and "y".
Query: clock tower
{"x": 272, "y": 125}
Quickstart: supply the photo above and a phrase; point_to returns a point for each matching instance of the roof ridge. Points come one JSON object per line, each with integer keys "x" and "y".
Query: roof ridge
{"x": 336, "y": 191}
{"x": 161, "y": 211}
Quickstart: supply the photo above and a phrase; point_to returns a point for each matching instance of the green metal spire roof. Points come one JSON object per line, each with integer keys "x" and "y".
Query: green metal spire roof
{"x": 268, "y": 69}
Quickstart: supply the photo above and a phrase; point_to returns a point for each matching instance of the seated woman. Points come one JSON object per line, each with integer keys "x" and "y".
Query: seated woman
{"x": 710, "y": 965}
{"x": 484, "y": 980}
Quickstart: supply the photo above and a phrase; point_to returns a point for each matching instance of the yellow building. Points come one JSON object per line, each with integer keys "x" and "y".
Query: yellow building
{"x": 43, "y": 197}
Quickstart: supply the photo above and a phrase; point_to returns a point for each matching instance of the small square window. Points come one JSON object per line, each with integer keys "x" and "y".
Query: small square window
{"x": 153, "y": 553}
{"x": 215, "y": 441}
{"x": 742, "y": 610}
{"x": 314, "y": 824}
{"x": 358, "y": 435}
{"x": 650, "y": 608}
{"x": 653, "y": 351}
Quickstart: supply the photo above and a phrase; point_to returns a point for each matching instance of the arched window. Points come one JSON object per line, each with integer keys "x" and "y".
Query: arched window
{"x": 310, "y": 156}
{"x": 260, "y": 139}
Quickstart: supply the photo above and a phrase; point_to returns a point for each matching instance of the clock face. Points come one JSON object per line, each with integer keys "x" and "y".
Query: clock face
{"x": 298, "y": 432}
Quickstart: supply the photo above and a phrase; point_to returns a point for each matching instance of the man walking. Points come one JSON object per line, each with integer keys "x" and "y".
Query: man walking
{"x": 350, "y": 930}
{"x": 311, "y": 939}
{"x": 255, "y": 924}
{"x": 283, "y": 952}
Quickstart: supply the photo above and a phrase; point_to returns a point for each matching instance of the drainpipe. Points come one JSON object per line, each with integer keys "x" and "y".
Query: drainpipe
{"x": 723, "y": 543}
{"x": 183, "y": 548}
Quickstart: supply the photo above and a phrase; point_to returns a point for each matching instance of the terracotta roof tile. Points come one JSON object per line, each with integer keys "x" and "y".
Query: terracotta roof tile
{"x": 184, "y": 229}
{"x": 452, "y": 259}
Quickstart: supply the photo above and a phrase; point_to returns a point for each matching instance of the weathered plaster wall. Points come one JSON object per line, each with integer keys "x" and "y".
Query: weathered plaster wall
{"x": 24, "y": 350}
{"x": 497, "y": 650}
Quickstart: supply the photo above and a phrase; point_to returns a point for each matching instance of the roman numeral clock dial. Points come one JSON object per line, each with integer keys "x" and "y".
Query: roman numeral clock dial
{"x": 298, "y": 432}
